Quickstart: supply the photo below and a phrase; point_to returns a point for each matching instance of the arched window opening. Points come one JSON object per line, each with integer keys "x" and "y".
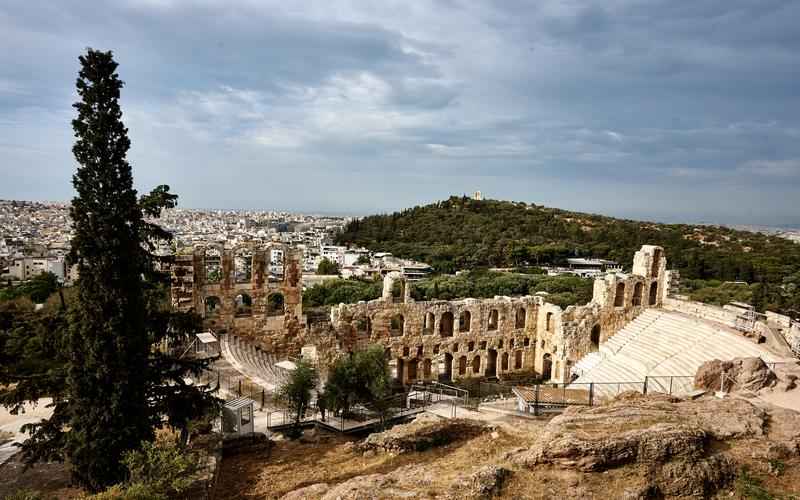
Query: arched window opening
{"x": 275, "y": 305}
{"x": 430, "y": 320}
{"x": 549, "y": 322}
{"x": 426, "y": 369}
{"x": 470, "y": 346}
{"x": 520, "y": 318}
{"x": 595, "y": 339}
{"x": 504, "y": 362}
{"x": 483, "y": 345}
{"x": 398, "y": 290}
{"x": 243, "y": 265}
{"x": 476, "y": 364}
{"x": 464, "y": 320}
{"x": 637, "y": 294}
{"x": 397, "y": 325}
{"x": 213, "y": 265}
{"x": 547, "y": 367}
{"x": 446, "y": 325}
{"x": 656, "y": 263}
{"x": 493, "y": 319}
{"x": 619, "y": 297}
{"x": 243, "y": 305}
{"x": 518, "y": 360}
{"x": 462, "y": 365}
{"x": 212, "y": 307}
{"x": 405, "y": 352}
{"x": 653, "y": 293}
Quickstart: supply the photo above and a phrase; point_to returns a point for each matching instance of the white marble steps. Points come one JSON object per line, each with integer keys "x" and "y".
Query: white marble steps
{"x": 255, "y": 364}
{"x": 662, "y": 343}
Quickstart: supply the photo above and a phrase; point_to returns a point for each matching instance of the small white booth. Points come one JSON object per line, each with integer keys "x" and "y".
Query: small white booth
{"x": 238, "y": 417}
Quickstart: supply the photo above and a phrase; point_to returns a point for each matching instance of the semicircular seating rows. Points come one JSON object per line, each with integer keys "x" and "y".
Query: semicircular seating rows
{"x": 659, "y": 344}
{"x": 253, "y": 362}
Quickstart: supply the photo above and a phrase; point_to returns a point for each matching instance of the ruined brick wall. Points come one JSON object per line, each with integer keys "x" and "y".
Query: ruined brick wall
{"x": 234, "y": 291}
{"x": 431, "y": 340}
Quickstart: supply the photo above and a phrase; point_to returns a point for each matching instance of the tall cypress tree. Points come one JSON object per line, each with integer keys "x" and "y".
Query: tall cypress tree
{"x": 107, "y": 372}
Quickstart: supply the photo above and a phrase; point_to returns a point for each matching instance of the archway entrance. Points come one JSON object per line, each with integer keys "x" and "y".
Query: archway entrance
{"x": 595, "y": 339}
{"x": 504, "y": 363}
{"x": 491, "y": 364}
{"x": 446, "y": 325}
{"x": 446, "y": 373}
{"x": 547, "y": 367}
{"x": 401, "y": 368}
{"x": 637, "y": 294}
{"x": 653, "y": 293}
{"x": 412, "y": 371}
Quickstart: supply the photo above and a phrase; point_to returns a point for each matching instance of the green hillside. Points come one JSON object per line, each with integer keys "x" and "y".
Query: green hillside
{"x": 462, "y": 233}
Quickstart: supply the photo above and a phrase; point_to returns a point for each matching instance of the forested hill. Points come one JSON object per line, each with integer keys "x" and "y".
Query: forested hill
{"x": 462, "y": 233}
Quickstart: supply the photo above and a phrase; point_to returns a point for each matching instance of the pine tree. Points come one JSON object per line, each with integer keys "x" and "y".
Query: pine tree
{"x": 107, "y": 373}
{"x": 106, "y": 354}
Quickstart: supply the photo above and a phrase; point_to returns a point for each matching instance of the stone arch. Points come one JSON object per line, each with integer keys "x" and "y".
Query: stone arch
{"x": 656, "y": 264}
{"x": 548, "y": 325}
{"x": 364, "y": 326}
{"x": 276, "y": 306}
{"x": 494, "y": 316}
{"x": 464, "y": 321}
{"x": 547, "y": 367}
{"x": 426, "y": 369}
{"x": 276, "y": 262}
{"x": 430, "y": 320}
{"x": 462, "y": 365}
{"x": 595, "y": 338}
{"x": 446, "y": 325}
{"x": 242, "y": 265}
{"x": 653, "y": 293}
{"x": 412, "y": 370}
{"x": 476, "y": 364}
{"x": 517, "y": 360}
{"x": 243, "y": 304}
{"x": 212, "y": 306}
{"x": 470, "y": 346}
{"x": 637, "y": 294}
{"x": 448, "y": 368}
{"x": 619, "y": 296}
{"x": 397, "y": 325}
{"x": 519, "y": 320}
{"x": 212, "y": 262}
{"x": 504, "y": 362}
{"x": 491, "y": 363}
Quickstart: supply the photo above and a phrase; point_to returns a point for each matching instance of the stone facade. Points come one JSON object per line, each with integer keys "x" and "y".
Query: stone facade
{"x": 251, "y": 291}
{"x": 430, "y": 340}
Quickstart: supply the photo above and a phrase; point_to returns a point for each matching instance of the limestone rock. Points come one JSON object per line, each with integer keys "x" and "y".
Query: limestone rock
{"x": 424, "y": 432}
{"x": 750, "y": 374}
{"x": 314, "y": 491}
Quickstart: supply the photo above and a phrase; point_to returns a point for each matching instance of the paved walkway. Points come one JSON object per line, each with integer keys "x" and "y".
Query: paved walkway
{"x": 13, "y": 424}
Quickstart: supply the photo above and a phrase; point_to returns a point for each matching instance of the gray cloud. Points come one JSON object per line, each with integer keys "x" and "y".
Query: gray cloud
{"x": 657, "y": 109}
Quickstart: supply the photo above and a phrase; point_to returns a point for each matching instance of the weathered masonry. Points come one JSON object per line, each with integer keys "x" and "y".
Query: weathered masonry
{"x": 247, "y": 290}
{"x": 430, "y": 340}
{"x": 449, "y": 340}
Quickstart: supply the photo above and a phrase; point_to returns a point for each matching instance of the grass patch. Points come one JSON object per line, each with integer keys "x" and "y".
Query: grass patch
{"x": 750, "y": 487}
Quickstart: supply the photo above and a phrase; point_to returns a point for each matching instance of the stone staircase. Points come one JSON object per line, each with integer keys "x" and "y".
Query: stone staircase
{"x": 257, "y": 365}
{"x": 661, "y": 344}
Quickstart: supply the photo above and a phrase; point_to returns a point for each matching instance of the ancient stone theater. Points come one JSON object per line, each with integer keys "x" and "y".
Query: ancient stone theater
{"x": 254, "y": 293}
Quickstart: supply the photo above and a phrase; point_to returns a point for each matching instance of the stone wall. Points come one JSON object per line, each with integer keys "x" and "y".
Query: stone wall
{"x": 234, "y": 291}
{"x": 430, "y": 340}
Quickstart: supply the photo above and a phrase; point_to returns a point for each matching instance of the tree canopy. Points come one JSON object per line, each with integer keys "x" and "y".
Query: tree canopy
{"x": 462, "y": 233}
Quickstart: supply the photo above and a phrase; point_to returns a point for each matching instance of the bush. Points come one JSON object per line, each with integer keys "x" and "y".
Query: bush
{"x": 25, "y": 495}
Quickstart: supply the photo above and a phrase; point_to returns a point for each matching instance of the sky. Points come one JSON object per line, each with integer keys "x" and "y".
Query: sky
{"x": 661, "y": 110}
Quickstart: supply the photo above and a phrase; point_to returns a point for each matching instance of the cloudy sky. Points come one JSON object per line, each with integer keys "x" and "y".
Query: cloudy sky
{"x": 668, "y": 110}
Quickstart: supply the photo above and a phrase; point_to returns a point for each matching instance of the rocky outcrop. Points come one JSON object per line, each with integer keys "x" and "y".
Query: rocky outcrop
{"x": 425, "y": 432}
{"x": 749, "y": 374}
{"x": 667, "y": 440}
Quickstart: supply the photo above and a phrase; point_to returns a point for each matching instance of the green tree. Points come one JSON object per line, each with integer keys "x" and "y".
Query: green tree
{"x": 362, "y": 377}
{"x": 327, "y": 267}
{"x": 295, "y": 393}
{"x": 363, "y": 260}
{"x": 107, "y": 375}
{"x": 106, "y": 361}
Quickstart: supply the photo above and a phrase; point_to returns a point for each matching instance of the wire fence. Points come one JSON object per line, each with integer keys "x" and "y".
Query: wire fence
{"x": 235, "y": 383}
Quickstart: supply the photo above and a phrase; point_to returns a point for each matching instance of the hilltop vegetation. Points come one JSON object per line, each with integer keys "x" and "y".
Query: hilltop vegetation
{"x": 561, "y": 290}
{"x": 462, "y": 233}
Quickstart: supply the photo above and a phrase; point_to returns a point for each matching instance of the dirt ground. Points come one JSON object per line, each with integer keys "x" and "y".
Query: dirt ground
{"x": 295, "y": 464}
{"x": 51, "y": 480}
